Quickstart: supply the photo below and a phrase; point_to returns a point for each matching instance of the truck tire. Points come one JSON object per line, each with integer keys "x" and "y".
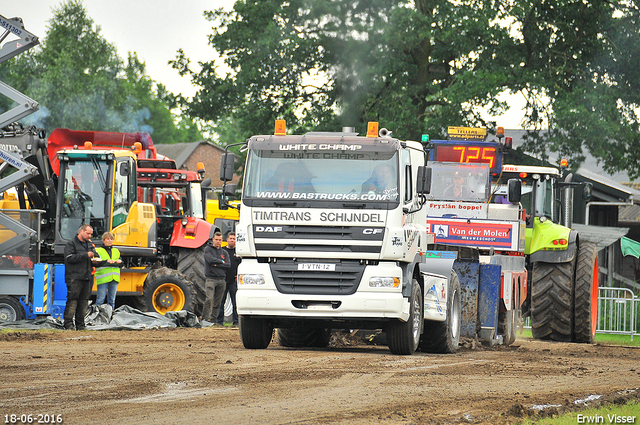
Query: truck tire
{"x": 403, "y": 337}
{"x": 444, "y": 337}
{"x": 552, "y": 301}
{"x": 586, "y": 294}
{"x": 507, "y": 326}
{"x": 168, "y": 292}
{"x": 191, "y": 265}
{"x": 304, "y": 337}
{"x": 11, "y": 310}
{"x": 255, "y": 333}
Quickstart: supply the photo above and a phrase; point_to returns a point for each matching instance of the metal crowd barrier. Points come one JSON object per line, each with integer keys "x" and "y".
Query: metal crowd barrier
{"x": 618, "y": 312}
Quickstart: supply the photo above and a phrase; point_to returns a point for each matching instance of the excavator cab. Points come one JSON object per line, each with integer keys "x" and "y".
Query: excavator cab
{"x": 99, "y": 188}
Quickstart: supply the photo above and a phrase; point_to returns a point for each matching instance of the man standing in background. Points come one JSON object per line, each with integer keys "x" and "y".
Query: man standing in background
{"x": 78, "y": 268}
{"x": 232, "y": 280}
{"x": 216, "y": 264}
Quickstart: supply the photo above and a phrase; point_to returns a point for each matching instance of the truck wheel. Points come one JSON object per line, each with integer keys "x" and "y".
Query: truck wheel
{"x": 403, "y": 337}
{"x": 255, "y": 333}
{"x": 303, "y": 336}
{"x": 168, "y": 292}
{"x": 552, "y": 301}
{"x": 191, "y": 265}
{"x": 444, "y": 337}
{"x": 11, "y": 310}
{"x": 586, "y": 294}
{"x": 507, "y": 326}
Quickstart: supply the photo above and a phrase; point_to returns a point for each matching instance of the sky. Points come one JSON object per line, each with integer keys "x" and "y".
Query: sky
{"x": 155, "y": 30}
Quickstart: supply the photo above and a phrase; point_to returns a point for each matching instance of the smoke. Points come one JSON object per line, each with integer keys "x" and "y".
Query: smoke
{"x": 89, "y": 112}
{"x": 38, "y": 118}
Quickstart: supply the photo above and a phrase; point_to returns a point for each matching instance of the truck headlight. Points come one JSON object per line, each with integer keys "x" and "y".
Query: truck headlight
{"x": 251, "y": 279}
{"x": 384, "y": 282}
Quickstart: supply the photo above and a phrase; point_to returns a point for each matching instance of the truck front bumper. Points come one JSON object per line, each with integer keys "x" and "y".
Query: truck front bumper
{"x": 369, "y": 303}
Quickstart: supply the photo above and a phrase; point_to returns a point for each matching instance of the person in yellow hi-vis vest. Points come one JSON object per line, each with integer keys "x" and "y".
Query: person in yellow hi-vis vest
{"x": 107, "y": 271}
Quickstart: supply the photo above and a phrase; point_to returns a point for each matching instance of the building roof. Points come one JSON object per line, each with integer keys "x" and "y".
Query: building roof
{"x": 180, "y": 152}
{"x": 607, "y": 186}
{"x": 590, "y": 162}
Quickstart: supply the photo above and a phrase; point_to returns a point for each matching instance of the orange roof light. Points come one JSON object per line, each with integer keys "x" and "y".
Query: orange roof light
{"x": 88, "y": 145}
{"x": 564, "y": 162}
{"x": 137, "y": 147}
{"x": 281, "y": 128}
{"x": 200, "y": 167}
{"x": 500, "y": 132}
{"x": 372, "y": 129}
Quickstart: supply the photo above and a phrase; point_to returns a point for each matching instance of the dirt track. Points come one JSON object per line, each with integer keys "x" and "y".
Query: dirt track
{"x": 206, "y": 376}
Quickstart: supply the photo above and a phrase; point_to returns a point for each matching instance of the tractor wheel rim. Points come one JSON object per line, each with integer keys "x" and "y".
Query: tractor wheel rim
{"x": 7, "y": 314}
{"x": 168, "y": 297}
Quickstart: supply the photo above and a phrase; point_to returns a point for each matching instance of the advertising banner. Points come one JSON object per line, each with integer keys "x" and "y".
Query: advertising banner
{"x": 478, "y": 233}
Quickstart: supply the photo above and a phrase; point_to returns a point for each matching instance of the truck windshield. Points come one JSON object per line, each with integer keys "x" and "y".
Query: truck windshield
{"x": 544, "y": 194}
{"x": 83, "y": 197}
{"x": 459, "y": 182}
{"x": 323, "y": 176}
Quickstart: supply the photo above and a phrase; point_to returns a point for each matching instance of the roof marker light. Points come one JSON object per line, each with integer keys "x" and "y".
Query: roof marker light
{"x": 372, "y": 129}
{"x": 281, "y": 128}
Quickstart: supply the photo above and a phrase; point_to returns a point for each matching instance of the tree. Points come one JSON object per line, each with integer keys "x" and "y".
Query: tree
{"x": 80, "y": 82}
{"x": 420, "y": 66}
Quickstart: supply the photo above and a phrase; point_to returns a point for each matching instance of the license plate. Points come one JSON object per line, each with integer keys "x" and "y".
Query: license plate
{"x": 317, "y": 266}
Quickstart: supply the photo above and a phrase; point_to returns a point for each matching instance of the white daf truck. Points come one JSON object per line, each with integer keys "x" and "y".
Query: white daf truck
{"x": 332, "y": 235}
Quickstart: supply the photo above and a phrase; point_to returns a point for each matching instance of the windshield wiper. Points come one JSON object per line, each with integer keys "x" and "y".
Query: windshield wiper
{"x": 285, "y": 203}
{"x": 101, "y": 179}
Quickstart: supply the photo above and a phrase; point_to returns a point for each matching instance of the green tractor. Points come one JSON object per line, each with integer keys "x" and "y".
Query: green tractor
{"x": 562, "y": 299}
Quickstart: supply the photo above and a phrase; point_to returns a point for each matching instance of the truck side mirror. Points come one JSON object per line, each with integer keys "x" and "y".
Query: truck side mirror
{"x": 206, "y": 183}
{"x": 514, "y": 190}
{"x": 229, "y": 189}
{"x": 125, "y": 169}
{"x": 423, "y": 183}
{"x": 226, "y": 166}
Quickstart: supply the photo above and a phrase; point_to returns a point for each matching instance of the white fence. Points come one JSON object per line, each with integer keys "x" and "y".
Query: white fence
{"x": 618, "y": 312}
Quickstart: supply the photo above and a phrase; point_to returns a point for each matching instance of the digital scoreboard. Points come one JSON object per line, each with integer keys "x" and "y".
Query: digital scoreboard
{"x": 467, "y": 146}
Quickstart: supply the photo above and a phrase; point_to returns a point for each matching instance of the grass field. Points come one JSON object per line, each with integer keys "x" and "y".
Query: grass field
{"x": 627, "y": 413}
{"x": 602, "y": 339}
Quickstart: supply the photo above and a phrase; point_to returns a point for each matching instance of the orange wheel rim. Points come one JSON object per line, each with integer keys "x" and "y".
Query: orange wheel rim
{"x": 168, "y": 297}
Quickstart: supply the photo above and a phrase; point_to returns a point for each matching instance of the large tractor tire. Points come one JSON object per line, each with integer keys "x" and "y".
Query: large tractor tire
{"x": 552, "y": 301}
{"x": 168, "y": 292}
{"x": 586, "y": 294}
{"x": 403, "y": 337}
{"x": 444, "y": 337}
{"x": 191, "y": 264}
{"x": 304, "y": 337}
{"x": 255, "y": 333}
{"x": 11, "y": 310}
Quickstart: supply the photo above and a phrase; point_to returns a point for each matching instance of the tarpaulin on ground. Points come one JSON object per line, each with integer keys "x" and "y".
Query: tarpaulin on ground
{"x": 123, "y": 318}
{"x": 629, "y": 247}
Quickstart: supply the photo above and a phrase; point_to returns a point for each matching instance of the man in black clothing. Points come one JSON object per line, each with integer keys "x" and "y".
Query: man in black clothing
{"x": 216, "y": 264}
{"x": 78, "y": 254}
{"x": 232, "y": 281}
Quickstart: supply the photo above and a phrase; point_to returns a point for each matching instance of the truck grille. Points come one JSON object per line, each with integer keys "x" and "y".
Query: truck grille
{"x": 350, "y": 239}
{"x": 341, "y": 281}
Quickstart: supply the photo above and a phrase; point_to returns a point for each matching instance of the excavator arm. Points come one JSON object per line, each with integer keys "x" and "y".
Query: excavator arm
{"x": 26, "y": 40}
